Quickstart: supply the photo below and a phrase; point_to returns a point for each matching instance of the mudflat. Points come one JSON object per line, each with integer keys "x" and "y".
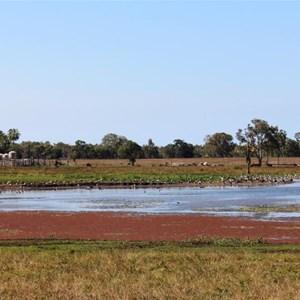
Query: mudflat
{"x": 138, "y": 227}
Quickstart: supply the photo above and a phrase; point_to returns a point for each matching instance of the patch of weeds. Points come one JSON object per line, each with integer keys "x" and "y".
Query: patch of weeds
{"x": 223, "y": 242}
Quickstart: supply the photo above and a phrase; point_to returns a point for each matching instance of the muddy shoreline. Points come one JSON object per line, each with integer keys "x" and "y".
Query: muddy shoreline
{"x": 139, "y": 227}
{"x": 142, "y": 185}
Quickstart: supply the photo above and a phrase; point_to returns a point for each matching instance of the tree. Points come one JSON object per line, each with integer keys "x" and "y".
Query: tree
{"x": 150, "y": 150}
{"x": 102, "y": 152}
{"x": 38, "y": 150}
{"x": 167, "y": 151}
{"x": 260, "y": 139}
{"x": 60, "y": 150}
{"x": 276, "y": 142}
{"x": 26, "y": 149}
{"x": 255, "y": 138}
{"x": 131, "y": 151}
{"x": 297, "y": 137}
{"x": 112, "y": 142}
{"x": 183, "y": 149}
{"x": 219, "y": 144}
{"x": 74, "y": 155}
{"x": 4, "y": 142}
{"x": 41, "y": 150}
{"x": 81, "y": 148}
{"x": 179, "y": 149}
{"x": 199, "y": 151}
{"x": 13, "y": 135}
{"x": 292, "y": 148}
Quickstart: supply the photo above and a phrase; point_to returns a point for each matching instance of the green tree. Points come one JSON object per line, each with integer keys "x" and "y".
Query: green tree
{"x": 131, "y": 151}
{"x": 261, "y": 139}
{"x": 4, "y": 142}
{"x": 26, "y": 149}
{"x": 255, "y": 138}
{"x": 292, "y": 148}
{"x": 13, "y": 135}
{"x": 276, "y": 142}
{"x": 219, "y": 144}
{"x": 183, "y": 149}
{"x": 112, "y": 142}
{"x": 179, "y": 149}
{"x": 38, "y": 150}
{"x": 80, "y": 149}
{"x": 150, "y": 150}
{"x": 60, "y": 150}
{"x": 297, "y": 137}
{"x": 102, "y": 152}
{"x": 199, "y": 151}
{"x": 167, "y": 151}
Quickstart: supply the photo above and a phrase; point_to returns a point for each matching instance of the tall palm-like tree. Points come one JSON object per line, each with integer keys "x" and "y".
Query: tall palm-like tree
{"x": 13, "y": 135}
{"x": 4, "y": 142}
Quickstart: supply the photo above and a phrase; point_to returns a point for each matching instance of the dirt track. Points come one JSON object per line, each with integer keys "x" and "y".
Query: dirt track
{"x": 121, "y": 226}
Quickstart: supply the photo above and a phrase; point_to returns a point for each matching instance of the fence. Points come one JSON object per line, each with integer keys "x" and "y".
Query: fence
{"x": 26, "y": 162}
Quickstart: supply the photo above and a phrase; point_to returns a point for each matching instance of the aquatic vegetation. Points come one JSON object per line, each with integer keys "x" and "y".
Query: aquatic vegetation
{"x": 271, "y": 208}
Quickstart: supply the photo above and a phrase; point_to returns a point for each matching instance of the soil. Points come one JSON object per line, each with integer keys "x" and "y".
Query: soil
{"x": 137, "y": 227}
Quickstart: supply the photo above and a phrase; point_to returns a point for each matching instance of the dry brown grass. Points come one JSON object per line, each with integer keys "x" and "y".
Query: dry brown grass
{"x": 166, "y": 272}
{"x": 227, "y": 161}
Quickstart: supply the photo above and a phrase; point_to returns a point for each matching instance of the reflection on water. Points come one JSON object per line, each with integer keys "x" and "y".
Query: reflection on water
{"x": 214, "y": 201}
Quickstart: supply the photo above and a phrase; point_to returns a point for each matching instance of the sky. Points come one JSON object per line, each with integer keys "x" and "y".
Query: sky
{"x": 78, "y": 70}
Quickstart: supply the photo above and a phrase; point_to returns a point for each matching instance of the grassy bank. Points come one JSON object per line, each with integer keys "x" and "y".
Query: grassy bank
{"x": 145, "y": 172}
{"x": 219, "y": 269}
{"x": 270, "y": 208}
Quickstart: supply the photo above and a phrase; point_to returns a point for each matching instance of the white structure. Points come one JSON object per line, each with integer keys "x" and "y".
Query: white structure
{"x": 12, "y": 155}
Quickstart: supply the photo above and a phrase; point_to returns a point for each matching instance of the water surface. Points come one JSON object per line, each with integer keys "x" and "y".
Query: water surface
{"x": 210, "y": 200}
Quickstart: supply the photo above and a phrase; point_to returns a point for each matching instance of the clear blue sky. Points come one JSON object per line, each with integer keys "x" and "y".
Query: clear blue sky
{"x": 147, "y": 69}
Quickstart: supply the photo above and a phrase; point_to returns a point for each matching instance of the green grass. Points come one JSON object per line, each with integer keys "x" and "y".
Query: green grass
{"x": 191, "y": 269}
{"x": 143, "y": 173}
{"x": 203, "y": 269}
{"x": 271, "y": 208}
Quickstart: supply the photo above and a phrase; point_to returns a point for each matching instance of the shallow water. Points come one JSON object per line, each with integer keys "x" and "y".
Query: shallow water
{"x": 210, "y": 200}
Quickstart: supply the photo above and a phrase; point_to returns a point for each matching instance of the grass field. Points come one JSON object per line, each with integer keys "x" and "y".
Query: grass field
{"x": 218, "y": 269}
{"x": 205, "y": 269}
{"x": 146, "y": 171}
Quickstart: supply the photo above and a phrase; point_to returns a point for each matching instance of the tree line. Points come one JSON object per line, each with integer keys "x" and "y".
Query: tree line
{"x": 258, "y": 140}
